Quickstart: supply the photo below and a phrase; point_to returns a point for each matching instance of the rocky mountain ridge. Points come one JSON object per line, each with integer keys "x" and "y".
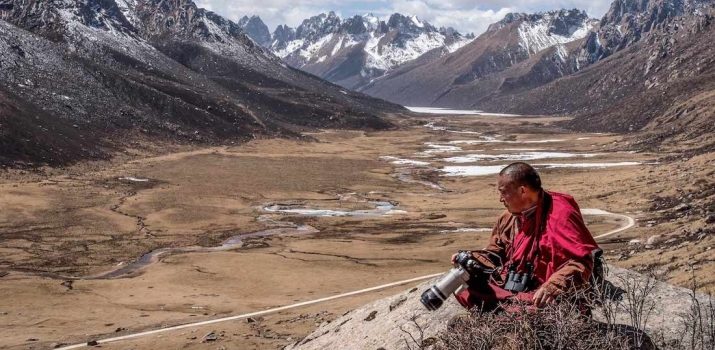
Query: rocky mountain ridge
{"x": 353, "y": 51}
{"x": 103, "y": 69}
{"x": 256, "y": 30}
{"x": 522, "y": 49}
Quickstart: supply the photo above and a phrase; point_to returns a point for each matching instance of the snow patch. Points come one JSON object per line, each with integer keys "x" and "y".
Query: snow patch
{"x": 467, "y": 229}
{"x": 586, "y": 165}
{"x": 482, "y": 170}
{"x": 475, "y": 170}
{"x": 402, "y": 161}
{"x": 133, "y": 179}
{"x": 536, "y": 36}
{"x": 471, "y": 158}
{"x": 437, "y": 148}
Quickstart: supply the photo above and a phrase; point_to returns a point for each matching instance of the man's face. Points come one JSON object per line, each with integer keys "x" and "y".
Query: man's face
{"x": 512, "y": 196}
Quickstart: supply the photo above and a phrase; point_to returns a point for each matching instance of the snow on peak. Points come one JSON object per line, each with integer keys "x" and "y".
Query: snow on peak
{"x": 551, "y": 29}
{"x": 387, "y": 43}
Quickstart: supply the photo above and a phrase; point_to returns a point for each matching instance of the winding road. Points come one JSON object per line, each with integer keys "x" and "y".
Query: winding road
{"x": 629, "y": 222}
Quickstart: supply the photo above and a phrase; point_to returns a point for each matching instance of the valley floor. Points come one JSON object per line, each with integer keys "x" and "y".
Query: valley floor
{"x": 348, "y": 211}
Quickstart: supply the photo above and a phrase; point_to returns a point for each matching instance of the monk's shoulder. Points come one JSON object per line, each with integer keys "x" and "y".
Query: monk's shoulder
{"x": 564, "y": 206}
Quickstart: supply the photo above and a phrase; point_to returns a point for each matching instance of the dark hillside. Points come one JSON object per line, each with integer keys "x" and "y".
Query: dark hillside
{"x": 167, "y": 69}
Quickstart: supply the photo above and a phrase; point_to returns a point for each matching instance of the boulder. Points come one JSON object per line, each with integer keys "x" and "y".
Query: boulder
{"x": 400, "y": 321}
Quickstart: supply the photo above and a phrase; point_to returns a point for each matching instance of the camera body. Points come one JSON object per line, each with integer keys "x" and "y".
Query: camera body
{"x": 466, "y": 267}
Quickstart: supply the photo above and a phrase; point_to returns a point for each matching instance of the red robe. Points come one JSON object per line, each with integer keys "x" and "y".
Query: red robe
{"x": 564, "y": 259}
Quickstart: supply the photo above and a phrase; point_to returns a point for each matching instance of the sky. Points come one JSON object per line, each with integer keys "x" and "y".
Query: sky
{"x": 464, "y": 15}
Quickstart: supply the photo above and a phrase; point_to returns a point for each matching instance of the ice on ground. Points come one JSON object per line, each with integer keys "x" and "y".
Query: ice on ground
{"x": 444, "y": 128}
{"x": 402, "y": 161}
{"x": 464, "y": 132}
{"x": 382, "y": 208}
{"x": 434, "y": 110}
{"x": 434, "y": 127}
{"x": 481, "y": 170}
{"x": 306, "y": 212}
{"x": 586, "y": 165}
{"x": 437, "y": 148}
{"x": 133, "y": 179}
{"x": 493, "y": 140}
{"x": 471, "y": 158}
{"x": 467, "y": 229}
{"x": 474, "y": 170}
{"x": 465, "y": 142}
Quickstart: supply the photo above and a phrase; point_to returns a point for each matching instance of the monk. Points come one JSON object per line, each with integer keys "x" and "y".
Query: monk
{"x": 541, "y": 235}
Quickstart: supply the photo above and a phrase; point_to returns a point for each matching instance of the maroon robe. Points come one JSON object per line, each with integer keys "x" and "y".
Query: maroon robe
{"x": 561, "y": 252}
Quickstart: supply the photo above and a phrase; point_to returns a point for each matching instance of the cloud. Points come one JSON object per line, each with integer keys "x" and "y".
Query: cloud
{"x": 464, "y": 15}
{"x": 466, "y": 18}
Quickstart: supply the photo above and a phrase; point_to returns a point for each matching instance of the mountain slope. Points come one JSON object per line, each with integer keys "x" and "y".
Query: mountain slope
{"x": 646, "y": 66}
{"x": 504, "y": 53}
{"x": 660, "y": 81}
{"x": 167, "y": 69}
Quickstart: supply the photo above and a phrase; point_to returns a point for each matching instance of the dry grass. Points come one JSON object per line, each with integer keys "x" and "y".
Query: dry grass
{"x": 562, "y": 326}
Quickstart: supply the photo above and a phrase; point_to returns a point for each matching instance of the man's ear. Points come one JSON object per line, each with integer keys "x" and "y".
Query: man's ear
{"x": 522, "y": 190}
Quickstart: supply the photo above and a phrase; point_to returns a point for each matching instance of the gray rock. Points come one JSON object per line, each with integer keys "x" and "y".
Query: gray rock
{"x": 683, "y": 207}
{"x": 212, "y": 336}
{"x": 654, "y": 239}
{"x": 634, "y": 242}
{"x": 392, "y": 330}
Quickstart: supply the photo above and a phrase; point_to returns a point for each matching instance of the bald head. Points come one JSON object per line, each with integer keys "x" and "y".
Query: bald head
{"x": 522, "y": 174}
{"x": 519, "y": 187}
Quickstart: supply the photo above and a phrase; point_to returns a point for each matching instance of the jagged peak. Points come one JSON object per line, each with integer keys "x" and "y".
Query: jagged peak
{"x": 253, "y": 19}
{"x": 572, "y": 15}
{"x": 408, "y": 23}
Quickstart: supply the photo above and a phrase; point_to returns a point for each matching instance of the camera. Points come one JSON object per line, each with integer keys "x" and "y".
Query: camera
{"x": 466, "y": 267}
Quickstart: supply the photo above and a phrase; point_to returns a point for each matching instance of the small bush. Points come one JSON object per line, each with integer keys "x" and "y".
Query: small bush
{"x": 564, "y": 326}
{"x": 557, "y": 326}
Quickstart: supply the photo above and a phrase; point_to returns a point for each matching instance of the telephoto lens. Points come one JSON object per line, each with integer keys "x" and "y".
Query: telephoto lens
{"x": 434, "y": 297}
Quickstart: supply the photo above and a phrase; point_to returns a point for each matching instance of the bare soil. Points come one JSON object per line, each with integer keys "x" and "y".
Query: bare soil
{"x": 60, "y": 226}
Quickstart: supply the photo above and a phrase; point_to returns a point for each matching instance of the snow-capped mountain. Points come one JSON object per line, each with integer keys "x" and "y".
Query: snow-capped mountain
{"x": 520, "y": 50}
{"x": 353, "y": 51}
{"x": 98, "y": 72}
{"x": 540, "y": 31}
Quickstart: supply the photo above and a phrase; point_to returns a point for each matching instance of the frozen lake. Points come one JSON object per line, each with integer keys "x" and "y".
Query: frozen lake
{"x": 435, "y": 110}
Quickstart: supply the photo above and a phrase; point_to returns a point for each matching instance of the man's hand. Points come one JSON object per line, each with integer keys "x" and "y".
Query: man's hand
{"x": 454, "y": 258}
{"x": 543, "y": 296}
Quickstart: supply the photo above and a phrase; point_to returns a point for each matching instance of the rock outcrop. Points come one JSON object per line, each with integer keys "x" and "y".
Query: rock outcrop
{"x": 396, "y": 322}
{"x": 255, "y": 29}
